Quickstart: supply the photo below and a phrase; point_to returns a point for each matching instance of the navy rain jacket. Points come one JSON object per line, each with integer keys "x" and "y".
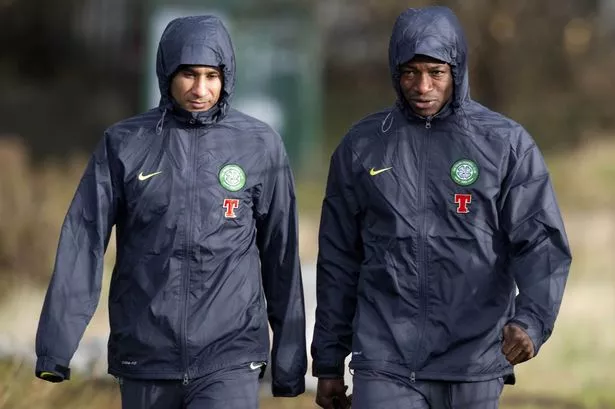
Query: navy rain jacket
{"x": 427, "y": 224}
{"x": 199, "y": 267}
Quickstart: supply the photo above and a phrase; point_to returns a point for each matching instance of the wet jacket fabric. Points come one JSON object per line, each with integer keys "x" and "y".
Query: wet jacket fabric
{"x": 206, "y": 226}
{"x": 427, "y": 226}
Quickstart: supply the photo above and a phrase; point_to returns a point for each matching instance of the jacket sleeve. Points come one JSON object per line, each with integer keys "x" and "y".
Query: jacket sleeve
{"x": 339, "y": 259}
{"x": 277, "y": 240}
{"x": 74, "y": 289}
{"x": 539, "y": 258}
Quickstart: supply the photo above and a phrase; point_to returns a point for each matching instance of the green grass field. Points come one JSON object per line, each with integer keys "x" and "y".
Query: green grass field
{"x": 573, "y": 370}
{"x": 19, "y": 390}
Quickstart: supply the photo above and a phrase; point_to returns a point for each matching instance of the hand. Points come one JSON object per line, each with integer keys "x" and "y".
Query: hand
{"x": 331, "y": 394}
{"x": 517, "y": 345}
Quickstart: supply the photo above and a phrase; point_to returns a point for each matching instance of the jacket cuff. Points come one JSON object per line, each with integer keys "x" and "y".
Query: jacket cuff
{"x": 51, "y": 365}
{"x": 327, "y": 371}
{"x": 288, "y": 389}
{"x": 533, "y": 329}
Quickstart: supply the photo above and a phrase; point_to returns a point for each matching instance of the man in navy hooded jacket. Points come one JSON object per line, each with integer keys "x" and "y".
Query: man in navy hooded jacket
{"x": 202, "y": 197}
{"x": 435, "y": 210}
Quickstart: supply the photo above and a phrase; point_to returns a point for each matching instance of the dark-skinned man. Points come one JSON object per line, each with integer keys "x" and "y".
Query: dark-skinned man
{"x": 436, "y": 210}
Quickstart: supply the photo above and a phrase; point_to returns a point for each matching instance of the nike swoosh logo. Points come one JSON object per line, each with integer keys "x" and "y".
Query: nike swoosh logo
{"x": 374, "y": 172}
{"x": 143, "y": 177}
{"x": 255, "y": 365}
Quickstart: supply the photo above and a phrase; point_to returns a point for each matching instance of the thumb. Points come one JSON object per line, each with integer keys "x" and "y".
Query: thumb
{"x": 506, "y": 332}
{"x": 507, "y": 344}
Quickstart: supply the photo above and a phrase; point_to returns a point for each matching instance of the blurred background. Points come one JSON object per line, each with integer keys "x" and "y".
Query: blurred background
{"x": 310, "y": 68}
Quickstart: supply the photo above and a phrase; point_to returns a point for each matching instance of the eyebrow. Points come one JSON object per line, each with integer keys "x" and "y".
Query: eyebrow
{"x": 430, "y": 66}
{"x": 207, "y": 72}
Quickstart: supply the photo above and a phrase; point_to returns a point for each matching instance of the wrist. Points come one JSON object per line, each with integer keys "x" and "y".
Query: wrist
{"x": 327, "y": 371}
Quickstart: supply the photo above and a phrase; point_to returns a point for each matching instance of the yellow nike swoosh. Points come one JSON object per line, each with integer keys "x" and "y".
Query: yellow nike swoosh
{"x": 374, "y": 172}
{"x": 145, "y": 177}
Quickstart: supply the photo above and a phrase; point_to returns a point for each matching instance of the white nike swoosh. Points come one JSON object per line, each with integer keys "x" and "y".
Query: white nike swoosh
{"x": 255, "y": 365}
{"x": 143, "y": 177}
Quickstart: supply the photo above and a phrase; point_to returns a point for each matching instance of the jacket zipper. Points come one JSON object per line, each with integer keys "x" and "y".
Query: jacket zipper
{"x": 186, "y": 276}
{"x": 422, "y": 262}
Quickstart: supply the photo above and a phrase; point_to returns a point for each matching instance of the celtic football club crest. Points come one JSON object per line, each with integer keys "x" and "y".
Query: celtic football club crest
{"x": 464, "y": 172}
{"x": 232, "y": 177}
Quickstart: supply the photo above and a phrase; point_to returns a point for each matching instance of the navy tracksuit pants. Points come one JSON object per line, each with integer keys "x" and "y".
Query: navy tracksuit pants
{"x": 374, "y": 390}
{"x": 232, "y": 388}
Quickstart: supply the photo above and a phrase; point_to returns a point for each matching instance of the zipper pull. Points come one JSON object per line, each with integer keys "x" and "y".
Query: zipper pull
{"x": 428, "y": 123}
{"x": 185, "y": 381}
{"x": 412, "y": 377}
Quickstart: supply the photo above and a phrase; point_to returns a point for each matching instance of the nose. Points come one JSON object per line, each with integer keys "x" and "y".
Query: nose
{"x": 423, "y": 84}
{"x": 199, "y": 88}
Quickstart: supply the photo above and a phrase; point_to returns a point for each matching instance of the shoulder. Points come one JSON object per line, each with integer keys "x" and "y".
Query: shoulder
{"x": 368, "y": 129}
{"x": 371, "y": 124}
{"x": 243, "y": 122}
{"x": 132, "y": 127}
{"x": 493, "y": 125}
{"x": 251, "y": 129}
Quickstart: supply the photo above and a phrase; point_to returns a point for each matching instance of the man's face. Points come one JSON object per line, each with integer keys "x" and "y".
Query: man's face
{"x": 427, "y": 84}
{"x": 196, "y": 88}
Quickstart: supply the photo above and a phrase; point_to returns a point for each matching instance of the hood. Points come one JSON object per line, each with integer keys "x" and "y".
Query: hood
{"x": 434, "y": 32}
{"x": 196, "y": 40}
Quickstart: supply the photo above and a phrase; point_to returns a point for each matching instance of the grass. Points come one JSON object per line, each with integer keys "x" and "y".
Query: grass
{"x": 20, "y": 390}
{"x": 17, "y": 386}
{"x": 584, "y": 179}
{"x": 573, "y": 370}
{"x": 33, "y": 201}
{"x": 575, "y": 365}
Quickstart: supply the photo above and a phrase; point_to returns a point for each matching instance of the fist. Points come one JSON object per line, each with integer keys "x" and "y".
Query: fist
{"x": 517, "y": 345}
{"x": 331, "y": 394}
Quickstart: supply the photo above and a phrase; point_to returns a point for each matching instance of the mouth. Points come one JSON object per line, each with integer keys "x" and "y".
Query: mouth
{"x": 422, "y": 103}
{"x": 198, "y": 104}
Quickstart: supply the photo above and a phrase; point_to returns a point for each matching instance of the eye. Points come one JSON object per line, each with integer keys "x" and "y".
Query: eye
{"x": 407, "y": 74}
{"x": 438, "y": 73}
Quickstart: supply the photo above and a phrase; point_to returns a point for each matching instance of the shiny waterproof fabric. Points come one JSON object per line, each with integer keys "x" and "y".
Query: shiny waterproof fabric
{"x": 206, "y": 226}
{"x": 373, "y": 390}
{"x": 229, "y": 388}
{"x": 428, "y": 224}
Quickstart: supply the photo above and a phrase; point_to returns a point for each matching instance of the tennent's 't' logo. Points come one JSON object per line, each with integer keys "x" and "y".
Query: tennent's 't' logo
{"x": 230, "y": 205}
{"x": 462, "y": 201}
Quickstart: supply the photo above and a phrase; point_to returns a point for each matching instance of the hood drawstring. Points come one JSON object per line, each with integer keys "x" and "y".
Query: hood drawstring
{"x": 384, "y": 123}
{"x": 160, "y": 123}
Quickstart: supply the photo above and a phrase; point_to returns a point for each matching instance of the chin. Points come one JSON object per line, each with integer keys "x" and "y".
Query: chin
{"x": 424, "y": 114}
{"x": 199, "y": 110}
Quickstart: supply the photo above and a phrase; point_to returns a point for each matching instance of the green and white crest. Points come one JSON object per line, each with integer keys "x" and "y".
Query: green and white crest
{"x": 232, "y": 177}
{"x": 464, "y": 172}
